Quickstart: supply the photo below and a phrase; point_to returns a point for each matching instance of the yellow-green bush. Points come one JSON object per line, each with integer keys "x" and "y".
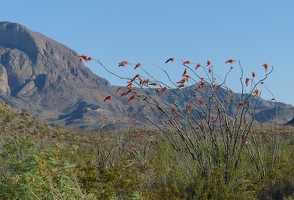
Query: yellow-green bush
{"x": 106, "y": 183}
{"x": 31, "y": 173}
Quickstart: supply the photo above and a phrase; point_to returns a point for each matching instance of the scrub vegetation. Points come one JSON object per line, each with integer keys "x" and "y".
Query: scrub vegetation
{"x": 203, "y": 143}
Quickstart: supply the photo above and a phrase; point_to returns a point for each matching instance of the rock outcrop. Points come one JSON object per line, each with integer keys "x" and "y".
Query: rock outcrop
{"x": 4, "y": 87}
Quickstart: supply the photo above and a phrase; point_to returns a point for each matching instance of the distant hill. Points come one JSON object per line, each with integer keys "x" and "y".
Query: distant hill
{"x": 45, "y": 79}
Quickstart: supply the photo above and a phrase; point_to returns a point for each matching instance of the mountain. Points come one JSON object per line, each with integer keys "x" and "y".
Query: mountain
{"x": 45, "y": 79}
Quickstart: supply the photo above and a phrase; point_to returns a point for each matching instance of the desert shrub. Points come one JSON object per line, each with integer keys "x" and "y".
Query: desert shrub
{"x": 36, "y": 173}
{"x": 279, "y": 182}
{"x": 171, "y": 179}
{"x": 168, "y": 179}
{"x": 106, "y": 183}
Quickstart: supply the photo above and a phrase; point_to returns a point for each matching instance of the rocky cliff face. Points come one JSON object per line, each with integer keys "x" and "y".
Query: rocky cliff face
{"x": 45, "y": 75}
{"x": 4, "y": 87}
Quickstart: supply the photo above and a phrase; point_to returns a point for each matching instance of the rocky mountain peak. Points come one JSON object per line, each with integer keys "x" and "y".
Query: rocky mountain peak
{"x": 14, "y": 35}
{"x": 44, "y": 73}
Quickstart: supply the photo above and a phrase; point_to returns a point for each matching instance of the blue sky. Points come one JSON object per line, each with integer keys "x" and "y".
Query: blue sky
{"x": 254, "y": 32}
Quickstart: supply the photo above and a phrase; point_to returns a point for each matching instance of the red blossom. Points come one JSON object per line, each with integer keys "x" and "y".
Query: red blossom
{"x": 137, "y": 65}
{"x": 265, "y": 66}
{"x": 85, "y": 58}
{"x": 123, "y": 94}
{"x": 107, "y": 98}
{"x": 177, "y": 116}
{"x": 229, "y": 61}
{"x": 186, "y": 62}
{"x": 256, "y": 92}
{"x": 247, "y": 81}
{"x": 122, "y": 63}
{"x": 157, "y": 90}
{"x": 200, "y": 101}
{"x": 132, "y": 97}
{"x": 170, "y": 60}
{"x": 197, "y": 66}
{"x": 189, "y": 107}
{"x": 163, "y": 90}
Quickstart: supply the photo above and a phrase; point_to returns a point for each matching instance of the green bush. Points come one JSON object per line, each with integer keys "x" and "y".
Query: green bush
{"x": 279, "y": 183}
{"x": 106, "y": 183}
{"x": 32, "y": 173}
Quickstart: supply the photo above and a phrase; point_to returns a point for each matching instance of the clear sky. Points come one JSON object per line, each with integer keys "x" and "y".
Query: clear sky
{"x": 252, "y": 31}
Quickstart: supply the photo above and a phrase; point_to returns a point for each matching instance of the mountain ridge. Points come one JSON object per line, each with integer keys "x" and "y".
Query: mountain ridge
{"x": 45, "y": 78}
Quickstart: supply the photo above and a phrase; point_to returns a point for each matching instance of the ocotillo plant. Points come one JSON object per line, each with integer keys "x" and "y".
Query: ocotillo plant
{"x": 209, "y": 125}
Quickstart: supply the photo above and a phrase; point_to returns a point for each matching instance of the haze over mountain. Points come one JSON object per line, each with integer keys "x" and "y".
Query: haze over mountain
{"x": 44, "y": 78}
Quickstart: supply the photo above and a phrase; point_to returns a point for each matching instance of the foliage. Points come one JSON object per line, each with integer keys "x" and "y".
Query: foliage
{"x": 106, "y": 183}
{"x": 36, "y": 174}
